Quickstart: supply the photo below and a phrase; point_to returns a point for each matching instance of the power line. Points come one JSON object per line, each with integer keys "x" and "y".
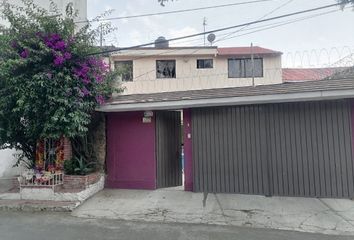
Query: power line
{"x": 223, "y": 29}
{"x": 264, "y": 16}
{"x": 271, "y": 26}
{"x": 176, "y": 11}
{"x": 259, "y": 29}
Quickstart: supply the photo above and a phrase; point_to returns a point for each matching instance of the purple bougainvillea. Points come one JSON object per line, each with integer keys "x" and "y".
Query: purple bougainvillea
{"x": 85, "y": 91}
{"x": 67, "y": 56}
{"x": 89, "y": 72}
{"x": 24, "y": 53}
{"x": 49, "y": 75}
{"x": 100, "y": 99}
{"x": 58, "y": 46}
{"x": 58, "y": 60}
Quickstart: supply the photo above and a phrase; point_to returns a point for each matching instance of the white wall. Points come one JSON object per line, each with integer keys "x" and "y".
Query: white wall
{"x": 80, "y": 5}
{"x": 7, "y": 160}
{"x": 188, "y": 77}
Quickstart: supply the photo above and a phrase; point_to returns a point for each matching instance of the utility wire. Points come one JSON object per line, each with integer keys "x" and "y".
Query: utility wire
{"x": 223, "y": 29}
{"x": 255, "y": 30}
{"x": 279, "y": 24}
{"x": 264, "y": 16}
{"x": 174, "y": 12}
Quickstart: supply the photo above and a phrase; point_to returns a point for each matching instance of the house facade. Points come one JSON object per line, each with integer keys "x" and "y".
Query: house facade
{"x": 239, "y": 134}
{"x": 151, "y": 70}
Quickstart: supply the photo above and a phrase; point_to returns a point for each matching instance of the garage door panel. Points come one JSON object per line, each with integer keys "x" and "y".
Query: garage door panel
{"x": 234, "y": 159}
{"x": 288, "y": 149}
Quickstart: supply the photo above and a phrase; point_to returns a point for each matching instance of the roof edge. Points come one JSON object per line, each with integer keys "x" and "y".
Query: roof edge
{"x": 229, "y": 101}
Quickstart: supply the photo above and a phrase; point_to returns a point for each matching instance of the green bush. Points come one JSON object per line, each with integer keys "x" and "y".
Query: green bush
{"x": 51, "y": 77}
{"x": 78, "y": 166}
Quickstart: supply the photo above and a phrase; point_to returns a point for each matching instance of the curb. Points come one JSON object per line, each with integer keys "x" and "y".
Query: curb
{"x": 38, "y": 206}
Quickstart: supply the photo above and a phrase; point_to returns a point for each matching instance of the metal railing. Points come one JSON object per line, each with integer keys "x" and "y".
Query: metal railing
{"x": 38, "y": 180}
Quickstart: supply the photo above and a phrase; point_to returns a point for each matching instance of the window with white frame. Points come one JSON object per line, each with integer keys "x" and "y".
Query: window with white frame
{"x": 125, "y": 70}
{"x": 204, "y": 63}
{"x": 165, "y": 68}
{"x": 242, "y": 67}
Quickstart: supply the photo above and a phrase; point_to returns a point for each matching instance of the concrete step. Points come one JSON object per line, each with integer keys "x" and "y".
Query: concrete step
{"x": 37, "y": 205}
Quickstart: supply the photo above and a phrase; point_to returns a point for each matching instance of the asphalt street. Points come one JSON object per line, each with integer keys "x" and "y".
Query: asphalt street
{"x": 62, "y": 226}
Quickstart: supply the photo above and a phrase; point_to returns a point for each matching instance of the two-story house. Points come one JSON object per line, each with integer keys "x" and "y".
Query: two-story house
{"x": 244, "y": 130}
{"x": 167, "y": 69}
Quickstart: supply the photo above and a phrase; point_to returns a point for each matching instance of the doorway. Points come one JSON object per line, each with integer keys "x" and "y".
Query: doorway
{"x": 169, "y": 149}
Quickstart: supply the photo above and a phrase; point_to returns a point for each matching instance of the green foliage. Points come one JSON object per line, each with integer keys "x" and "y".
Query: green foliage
{"x": 69, "y": 167}
{"x": 83, "y": 167}
{"x": 83, "y": 147}
{"x": 78, "y": 166}
{"x": 50, "y": 83}
{"x": 344, "y": 3}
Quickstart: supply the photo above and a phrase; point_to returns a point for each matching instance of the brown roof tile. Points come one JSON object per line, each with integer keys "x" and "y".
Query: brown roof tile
{"x": 241, "y": 51}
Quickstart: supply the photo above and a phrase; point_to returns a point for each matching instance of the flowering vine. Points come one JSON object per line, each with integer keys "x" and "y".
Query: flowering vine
{"x": 51, "y": 79}
{"x": 88, "y": 72}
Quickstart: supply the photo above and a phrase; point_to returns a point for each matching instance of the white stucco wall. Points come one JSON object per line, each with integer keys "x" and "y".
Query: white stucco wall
{"x": 80, "y": 5}
{"x": 7, "y": 160}
{"x": 188, "y": 77}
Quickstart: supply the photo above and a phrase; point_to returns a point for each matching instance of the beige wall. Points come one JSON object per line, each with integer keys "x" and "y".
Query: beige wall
{"x": 188, "y": 77}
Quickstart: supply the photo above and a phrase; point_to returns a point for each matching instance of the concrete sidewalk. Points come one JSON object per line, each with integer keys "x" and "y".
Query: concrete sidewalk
{"x": 328, "y": 216}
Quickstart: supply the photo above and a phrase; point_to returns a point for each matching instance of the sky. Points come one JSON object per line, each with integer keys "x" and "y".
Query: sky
{"x": 319, "y": 41}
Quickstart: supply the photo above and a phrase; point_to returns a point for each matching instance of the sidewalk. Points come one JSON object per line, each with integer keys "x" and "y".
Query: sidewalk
{"x": 327, "y": 216}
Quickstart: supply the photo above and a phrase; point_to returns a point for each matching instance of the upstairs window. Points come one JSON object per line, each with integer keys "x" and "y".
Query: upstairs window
{"x": 242, "y": 68}
{"x": 166, "y": 69}
{"x": 204, "y": 63}
{"x": 125, "y": 69}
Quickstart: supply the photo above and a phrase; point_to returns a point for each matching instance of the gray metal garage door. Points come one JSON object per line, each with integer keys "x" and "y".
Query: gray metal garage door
{"x": 290, "y": 149}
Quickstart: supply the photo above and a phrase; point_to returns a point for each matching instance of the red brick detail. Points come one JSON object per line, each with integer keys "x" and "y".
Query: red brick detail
{"x": 67, "y": 149}
{"x": 80, "y": 182}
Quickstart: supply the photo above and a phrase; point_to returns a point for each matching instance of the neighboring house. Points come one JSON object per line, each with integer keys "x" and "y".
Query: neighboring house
{"x": 6, "y": 156}
{"x": 309, "y": 74}
{"x": 274, "y": 138}
{"x": 166, "y": 69}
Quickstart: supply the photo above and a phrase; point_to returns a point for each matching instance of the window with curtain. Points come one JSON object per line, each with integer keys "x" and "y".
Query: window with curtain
{"x": 165, "y": 69}
{"x": 242, "y": 67}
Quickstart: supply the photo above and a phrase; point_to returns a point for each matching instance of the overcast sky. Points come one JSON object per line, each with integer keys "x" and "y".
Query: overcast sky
{"x": 334, "y": 30}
